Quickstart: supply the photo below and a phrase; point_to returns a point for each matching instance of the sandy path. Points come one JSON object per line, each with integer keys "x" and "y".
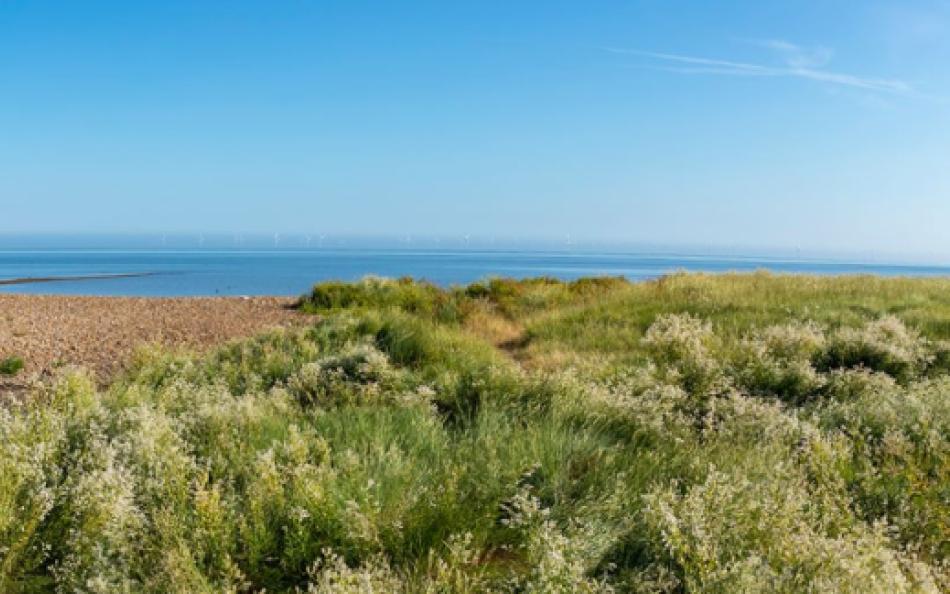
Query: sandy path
{"x": 100, "y": 333}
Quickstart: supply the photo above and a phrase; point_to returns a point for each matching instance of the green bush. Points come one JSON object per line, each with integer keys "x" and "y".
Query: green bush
{"x": 779, "y": 362}
{"x": 11, "y": 365}
{"x": 885, "y": 345}
{"x": 372, "y": 292}
{"x": 359, "y": 374}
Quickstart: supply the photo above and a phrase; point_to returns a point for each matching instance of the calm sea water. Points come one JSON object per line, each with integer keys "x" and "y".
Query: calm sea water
{"x": 291, "y": 272}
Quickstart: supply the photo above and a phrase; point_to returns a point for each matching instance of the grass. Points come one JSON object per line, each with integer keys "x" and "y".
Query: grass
{"x": 11, "y": 365}
{"x": 729, "y": 433}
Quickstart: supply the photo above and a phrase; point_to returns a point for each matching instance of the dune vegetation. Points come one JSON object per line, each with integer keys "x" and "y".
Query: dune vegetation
{"x": 11, "y": 365}
{"x": 730, "y": 433}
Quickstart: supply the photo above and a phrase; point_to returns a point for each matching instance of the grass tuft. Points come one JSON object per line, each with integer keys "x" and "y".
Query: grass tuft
{"x": 11, "y": 365}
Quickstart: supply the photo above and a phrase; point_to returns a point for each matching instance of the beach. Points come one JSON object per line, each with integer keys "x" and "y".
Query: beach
{"x": 101, "y": 333}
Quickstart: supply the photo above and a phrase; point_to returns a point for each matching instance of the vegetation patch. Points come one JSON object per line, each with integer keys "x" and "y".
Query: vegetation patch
{"x": 11, "y": 365}
{"x": 750, "y": 433}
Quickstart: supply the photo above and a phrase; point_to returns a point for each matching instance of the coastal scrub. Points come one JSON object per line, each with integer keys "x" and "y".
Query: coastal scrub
{"x": 692, "y": 434}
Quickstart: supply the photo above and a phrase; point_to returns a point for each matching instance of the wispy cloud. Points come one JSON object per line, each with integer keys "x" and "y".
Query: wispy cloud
{"x": 795, "y": 62}
{"x": 796, "y": 56}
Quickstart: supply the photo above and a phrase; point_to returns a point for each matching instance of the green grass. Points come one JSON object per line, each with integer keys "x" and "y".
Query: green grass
{"x": 729, "y": 433}
{"x": 735, "y": 303}
{"x": 11, "y": 365}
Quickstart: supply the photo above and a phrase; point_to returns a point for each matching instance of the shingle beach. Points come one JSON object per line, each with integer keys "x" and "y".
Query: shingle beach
{"x": 101, "y": 333}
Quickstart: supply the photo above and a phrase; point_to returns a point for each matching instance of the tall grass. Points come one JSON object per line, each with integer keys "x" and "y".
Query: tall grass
{"x": 702, "y": 434}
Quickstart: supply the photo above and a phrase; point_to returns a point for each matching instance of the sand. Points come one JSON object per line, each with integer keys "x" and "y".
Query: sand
{"x": 101, "y": 333}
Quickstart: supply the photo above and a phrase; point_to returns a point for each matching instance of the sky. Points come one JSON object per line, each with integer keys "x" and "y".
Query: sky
{"x": 813, "y": 124}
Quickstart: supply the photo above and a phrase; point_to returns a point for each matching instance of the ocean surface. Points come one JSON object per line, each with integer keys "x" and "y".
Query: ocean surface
{"x": 194, "y": 272}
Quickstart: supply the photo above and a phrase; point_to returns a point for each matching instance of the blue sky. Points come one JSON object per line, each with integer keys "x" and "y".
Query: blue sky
{"x": 817, "y": 124}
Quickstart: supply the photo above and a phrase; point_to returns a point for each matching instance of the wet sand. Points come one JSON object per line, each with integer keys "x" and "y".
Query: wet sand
{"x": 101, "y": 333}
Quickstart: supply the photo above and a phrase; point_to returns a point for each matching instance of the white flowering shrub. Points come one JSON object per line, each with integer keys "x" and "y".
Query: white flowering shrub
{"x": 779, "y": 362}
{"x": 885, "y": 345}
{"x": 899, "y": 458}
{"x": 732, "y": 534}
{"x": 736, "y": 419}
{"x": 560, "y": 561}
{"x": 105, "y": 526}
{"x": 458, "y": 571}
{"x": 30, "y": 447}
{"x": 682, "y": 347}
{"x": 358, "y": 374}
{"x": 331, "y": 575}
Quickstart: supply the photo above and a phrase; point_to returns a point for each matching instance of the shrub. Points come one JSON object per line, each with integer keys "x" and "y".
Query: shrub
{"x": 357, "y": 375}
{"x": 899, "y": 455}
{"x": 560, "y": 560}
{"x": 331, "y": 575}
{"x": 682, "y": 347}
{"x": 732, "y": 534}
{"x": 885, "y": 345}
{"x": 940, "y": 363}
{"x": 778, "y": 362}
{"x": 417, "y": 297}
{"x": 850, "y": 385}
{"x": 11, "y": 365}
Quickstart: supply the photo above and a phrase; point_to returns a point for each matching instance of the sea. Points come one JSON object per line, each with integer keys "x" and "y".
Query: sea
{"x": 291, "y": 271}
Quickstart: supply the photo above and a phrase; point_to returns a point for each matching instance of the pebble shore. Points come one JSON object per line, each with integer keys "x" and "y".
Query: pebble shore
{"x": 101, "y": 333}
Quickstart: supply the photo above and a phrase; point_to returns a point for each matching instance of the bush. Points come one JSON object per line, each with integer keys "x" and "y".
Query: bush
{"x": 778, "y": 362}
{"x": 11, "y": 365}
{"x": 355, "y": 376}
{"x": 682, "y": 347}
{"x": 899, "y": 454}
{"x": 730, "y": 534}
{"x": 420, "y": 298}
{"x": 885, "y": 345}
{"x": 851, "y": 385}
